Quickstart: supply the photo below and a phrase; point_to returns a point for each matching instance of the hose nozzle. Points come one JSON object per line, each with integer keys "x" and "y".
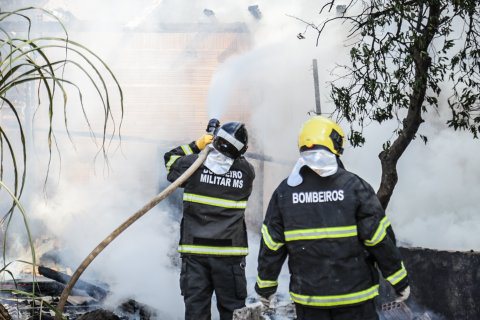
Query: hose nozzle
{"x": 213, "y": 126}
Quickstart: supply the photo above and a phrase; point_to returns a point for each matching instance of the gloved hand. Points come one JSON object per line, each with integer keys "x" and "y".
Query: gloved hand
{"x": 403, "y": 295}
{"x": 265, "y": 301}
{"x": 203, "y": 141}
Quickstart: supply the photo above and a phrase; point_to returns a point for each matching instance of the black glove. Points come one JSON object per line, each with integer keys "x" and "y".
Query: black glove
{"x": 213, "y": 126}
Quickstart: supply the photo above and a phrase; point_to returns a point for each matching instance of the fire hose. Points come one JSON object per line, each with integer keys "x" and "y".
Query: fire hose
{"x": 137, "y": 215}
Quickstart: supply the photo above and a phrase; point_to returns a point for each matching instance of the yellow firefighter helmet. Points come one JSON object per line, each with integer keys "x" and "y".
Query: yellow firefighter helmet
{"x": 319, "y": 131}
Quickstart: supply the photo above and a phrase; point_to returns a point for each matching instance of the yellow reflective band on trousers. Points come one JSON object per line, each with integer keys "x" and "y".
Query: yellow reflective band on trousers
{"x": 321, "y": 233}
{"x": 337, "y": 300}
{"x": 218, "y": 251}
{"x": 398, "y": 276}
{"x": 379, "y": 234}
{"x": 266, "y": 283}
{"x": 171, "y": 161}
{"x": 272, "y": 245}
{"x": 217, "y": 202}
{"x": 186, "y": 149}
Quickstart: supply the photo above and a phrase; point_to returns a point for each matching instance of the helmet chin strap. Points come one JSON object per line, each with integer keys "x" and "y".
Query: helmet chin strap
{"x": 217, "y": 162}
{"x": 322, "y": 162}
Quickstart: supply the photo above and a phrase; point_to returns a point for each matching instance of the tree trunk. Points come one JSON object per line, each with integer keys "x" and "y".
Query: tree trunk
{"x": 412, "y": 121}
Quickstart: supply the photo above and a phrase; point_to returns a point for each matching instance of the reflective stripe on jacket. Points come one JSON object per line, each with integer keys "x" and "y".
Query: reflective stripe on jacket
{"x": 333, "y": 230}
{"x": 212, "y": 201}
{"x": 213, "y": 221}
{"x": 336, "y": 300}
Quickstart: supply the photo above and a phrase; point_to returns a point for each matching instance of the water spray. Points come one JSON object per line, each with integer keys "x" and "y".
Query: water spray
{"x": 137, "y": 215}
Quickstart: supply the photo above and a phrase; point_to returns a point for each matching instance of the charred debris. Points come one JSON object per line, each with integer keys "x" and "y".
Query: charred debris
{"x": 444, "y": 287}
{"x": 36, "y": 298}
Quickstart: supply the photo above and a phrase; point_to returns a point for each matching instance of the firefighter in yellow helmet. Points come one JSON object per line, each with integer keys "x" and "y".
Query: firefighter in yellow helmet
{"x": 330, "y": 224}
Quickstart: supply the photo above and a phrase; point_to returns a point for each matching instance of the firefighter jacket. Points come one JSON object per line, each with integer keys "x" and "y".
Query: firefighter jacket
{"x": 213, "y": 222}
{"x": 334, "y": 230}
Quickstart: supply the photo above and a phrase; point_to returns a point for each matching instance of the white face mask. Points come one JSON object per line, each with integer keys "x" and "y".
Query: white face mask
{"x": 323, "y": 162}
{"x": 217, "y": 162}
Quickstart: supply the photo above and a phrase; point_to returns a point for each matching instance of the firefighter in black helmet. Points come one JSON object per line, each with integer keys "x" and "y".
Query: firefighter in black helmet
{"x": 330, "y": 224}
{"x": 213, "y": 240}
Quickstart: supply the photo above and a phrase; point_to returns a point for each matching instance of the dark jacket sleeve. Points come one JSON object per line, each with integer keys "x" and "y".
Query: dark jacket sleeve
{"x": 251, "y": 174}
{"x": 175, "y": 162}
{"x": 375, "y": 231}
{"x": 272, "y": 252}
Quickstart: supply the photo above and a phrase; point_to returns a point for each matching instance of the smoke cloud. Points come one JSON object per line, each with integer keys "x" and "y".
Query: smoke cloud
{"x": 434, "y": 204}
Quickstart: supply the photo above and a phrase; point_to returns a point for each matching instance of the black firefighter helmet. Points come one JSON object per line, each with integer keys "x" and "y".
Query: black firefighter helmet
{"x": 231, "y": 139}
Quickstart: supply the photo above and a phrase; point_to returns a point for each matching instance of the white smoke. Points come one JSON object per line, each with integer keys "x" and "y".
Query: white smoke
{"x": 434, "y": 203}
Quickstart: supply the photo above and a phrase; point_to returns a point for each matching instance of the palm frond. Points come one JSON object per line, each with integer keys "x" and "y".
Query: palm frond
{"x": 33, "y": 60}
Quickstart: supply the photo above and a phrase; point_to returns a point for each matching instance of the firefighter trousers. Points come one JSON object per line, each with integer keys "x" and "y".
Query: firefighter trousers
{"x": 202, "y": 275}
{"x": 364, "y": 311}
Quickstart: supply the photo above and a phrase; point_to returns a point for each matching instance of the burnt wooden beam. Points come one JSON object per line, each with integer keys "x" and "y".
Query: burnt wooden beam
{"x": 141, "y": 311}
{"x": 92, "y": 290}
